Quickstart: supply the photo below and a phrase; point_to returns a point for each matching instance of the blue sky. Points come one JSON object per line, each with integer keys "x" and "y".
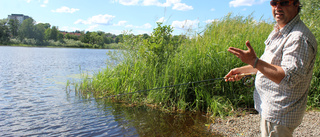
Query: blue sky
{"x": 137, "y": 16}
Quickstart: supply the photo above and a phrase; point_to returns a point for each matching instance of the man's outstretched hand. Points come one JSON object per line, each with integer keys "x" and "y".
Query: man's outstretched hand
{"x": 246, "y": 56}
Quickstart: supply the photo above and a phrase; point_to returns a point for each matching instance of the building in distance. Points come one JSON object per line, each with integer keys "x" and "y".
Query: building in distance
{"x": 19, "y": 17}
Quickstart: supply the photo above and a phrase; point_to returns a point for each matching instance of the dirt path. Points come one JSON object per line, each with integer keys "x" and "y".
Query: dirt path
{"x": 249, "y": 126}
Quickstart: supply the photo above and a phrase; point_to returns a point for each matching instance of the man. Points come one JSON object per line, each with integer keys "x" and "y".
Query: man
{"x": 284, "y": 71}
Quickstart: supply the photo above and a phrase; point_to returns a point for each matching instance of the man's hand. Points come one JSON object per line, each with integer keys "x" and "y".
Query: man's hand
{"x": 233, "y": 75}
{"x": 246, "y": 56}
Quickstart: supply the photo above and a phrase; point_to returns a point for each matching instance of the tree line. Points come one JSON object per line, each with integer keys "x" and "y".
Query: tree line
{"x": 43, "y": 34}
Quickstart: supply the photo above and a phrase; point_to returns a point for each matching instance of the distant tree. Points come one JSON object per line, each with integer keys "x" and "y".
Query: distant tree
{"x": 101, "y": 33}
{"x": 145, "y": 36}
{"x": 47, "y": 34}
{"x": 106, "y": 40}
{"x": 26, "y": 29}
{"x": 45, "y": 25}
{"x": 60, "y": 36}
{"x": 70, "y": 36}
{"x": 119, "y": 38}
{"x": 109, "y": 35}
{"x": 95, "y": 38}
{"x": 39, "y": 34}
{"x": 14, "y": 26}
{"x": 4, "y": 32}
{"x": 54, "y": 33}
{"x": 85, "y": 38}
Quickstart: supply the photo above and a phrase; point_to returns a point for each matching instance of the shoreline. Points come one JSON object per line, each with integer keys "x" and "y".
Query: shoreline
{"x": 249, "y": 125}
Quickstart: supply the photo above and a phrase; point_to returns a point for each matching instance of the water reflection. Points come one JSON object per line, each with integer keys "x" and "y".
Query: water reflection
{"x": 151, "y": 122}
{"x": 34, "y": 101}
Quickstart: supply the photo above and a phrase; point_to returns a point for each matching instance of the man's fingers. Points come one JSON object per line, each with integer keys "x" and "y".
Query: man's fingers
{"x": 249, "y": 45}
{"x": 235, "y": 51}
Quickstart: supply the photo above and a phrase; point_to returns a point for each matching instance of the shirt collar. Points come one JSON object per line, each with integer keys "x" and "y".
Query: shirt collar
{"x": 288, "y": 27}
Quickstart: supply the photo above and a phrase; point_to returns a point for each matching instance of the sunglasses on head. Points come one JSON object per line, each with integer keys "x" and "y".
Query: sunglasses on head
{"x": 281, "y": 3}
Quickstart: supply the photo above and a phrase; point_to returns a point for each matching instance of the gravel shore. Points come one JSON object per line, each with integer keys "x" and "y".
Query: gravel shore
{"x": 249, "y": 126}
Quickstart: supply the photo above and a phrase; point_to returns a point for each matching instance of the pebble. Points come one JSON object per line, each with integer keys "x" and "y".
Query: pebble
{"x": 249, "y": 126}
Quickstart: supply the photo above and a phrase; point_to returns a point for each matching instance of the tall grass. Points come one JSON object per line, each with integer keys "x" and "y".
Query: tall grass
{"x": 159, "y": 62}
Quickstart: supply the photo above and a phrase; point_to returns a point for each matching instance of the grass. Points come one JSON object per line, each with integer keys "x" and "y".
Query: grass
{"x": 159, "y": 62}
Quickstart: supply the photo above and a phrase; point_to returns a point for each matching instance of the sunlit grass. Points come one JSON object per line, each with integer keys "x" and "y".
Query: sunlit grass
{"x": 201, "y": 57}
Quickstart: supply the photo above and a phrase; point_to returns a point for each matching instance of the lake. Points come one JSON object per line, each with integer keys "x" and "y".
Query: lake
{"x": 34, "y": 100}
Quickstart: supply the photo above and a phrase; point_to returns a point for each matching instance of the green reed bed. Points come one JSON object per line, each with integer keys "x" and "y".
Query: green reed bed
{"x": 162, "y": 61}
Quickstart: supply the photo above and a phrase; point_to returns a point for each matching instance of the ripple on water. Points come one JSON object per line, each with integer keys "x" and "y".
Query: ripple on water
{"x": 33, "y": 100}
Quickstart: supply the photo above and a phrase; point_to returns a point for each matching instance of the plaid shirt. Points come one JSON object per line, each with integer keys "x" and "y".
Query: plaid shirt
{"x": 294, "y": 48}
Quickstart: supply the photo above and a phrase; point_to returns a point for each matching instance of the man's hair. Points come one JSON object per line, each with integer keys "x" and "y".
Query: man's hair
{"x": 300, "y": 6}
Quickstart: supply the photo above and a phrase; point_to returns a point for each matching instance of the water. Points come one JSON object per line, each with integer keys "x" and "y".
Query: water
{"x": 34, "y": 100}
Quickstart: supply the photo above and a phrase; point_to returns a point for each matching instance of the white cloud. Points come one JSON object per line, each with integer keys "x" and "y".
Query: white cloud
{"x": 151, "y": 3}
{"x": 98, "y": 19}
{"x": 210, "y": 21}
{"x": 92, "y": 28}
{"x": 161, "y": 20}
{"x": 69, "y": 29}
{"x": 65, "y": 9}
{"x": 212, "y": 9}
{"x": 129, "y": 2}
{"x": 120, "y": 23}
{"x": 238, "y": 3}
{"x": 145, "y": 26}
{"x": 177, "y": 5}
{"x": 187, "y": 24}
{"x": 45, "y": 2}
{"x": 171, "y": 2}
{"x": 182, "y": 6}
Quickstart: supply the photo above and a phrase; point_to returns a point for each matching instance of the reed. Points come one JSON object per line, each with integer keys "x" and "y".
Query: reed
{"x": 160, "y": 61}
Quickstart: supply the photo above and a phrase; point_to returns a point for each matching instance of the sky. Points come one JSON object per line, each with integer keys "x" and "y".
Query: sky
{"x": 133, "y": 16}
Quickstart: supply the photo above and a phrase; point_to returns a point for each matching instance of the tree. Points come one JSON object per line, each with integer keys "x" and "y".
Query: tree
{"x": 119, "y": 38}
{"x": 4, "y": 32}
{"x": 160, "y": 46}
{"x": 145, "y": 36}
{"x": 26, "y": 29}
{"x": 47, "y": 34}
{"x": 39, "y": 33}
{"x": 44, "y": 25}
{"x": 13, "y": 26}
{"x": 54, "y": 33}
{"x": 85, "y": 38}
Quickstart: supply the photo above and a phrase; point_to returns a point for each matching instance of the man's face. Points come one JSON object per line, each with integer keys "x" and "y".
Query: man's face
{"x": 285, "y": 12}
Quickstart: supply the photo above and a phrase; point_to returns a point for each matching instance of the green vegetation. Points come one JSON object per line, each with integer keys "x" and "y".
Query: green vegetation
{"x": 42, "y": 34}
{"x": 311, "y": 16}
{"x": 161, "y": 61}
{"x": 158, "y": 62}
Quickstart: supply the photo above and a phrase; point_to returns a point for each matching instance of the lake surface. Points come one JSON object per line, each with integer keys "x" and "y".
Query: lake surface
{"x": 34, "y": 100}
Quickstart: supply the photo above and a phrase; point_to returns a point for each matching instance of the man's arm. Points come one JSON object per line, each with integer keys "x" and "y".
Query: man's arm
{"x": 273, "y": 72}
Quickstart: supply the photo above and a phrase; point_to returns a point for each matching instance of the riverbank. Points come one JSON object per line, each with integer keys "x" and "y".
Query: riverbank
{"x": 249, "y": 125}
{"x": 65, "y": 43}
